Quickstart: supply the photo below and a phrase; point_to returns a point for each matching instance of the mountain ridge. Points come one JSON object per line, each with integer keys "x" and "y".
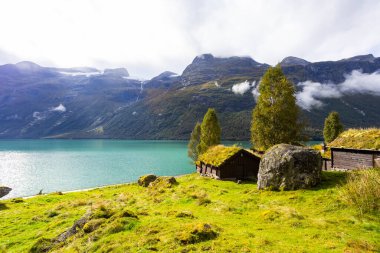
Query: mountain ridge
{"x": 110, "y": 105}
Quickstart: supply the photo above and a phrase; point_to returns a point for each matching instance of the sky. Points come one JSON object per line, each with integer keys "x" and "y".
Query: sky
{"x": 151, "y": 36}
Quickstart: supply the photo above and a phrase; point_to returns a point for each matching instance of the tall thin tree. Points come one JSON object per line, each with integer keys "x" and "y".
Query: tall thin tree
{"x": 210, "y": 131}
{"x": 275, "y": 119}
{"x": 192, "y": 150}
{"x": 333, "y": 127}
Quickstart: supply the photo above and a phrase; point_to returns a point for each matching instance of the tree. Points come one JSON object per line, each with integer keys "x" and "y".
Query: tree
{"x": 332, "y": 127}
{"x": 192, "y": 150}
{"x": 210, "y": 131}
{"x": 275, "y": 119}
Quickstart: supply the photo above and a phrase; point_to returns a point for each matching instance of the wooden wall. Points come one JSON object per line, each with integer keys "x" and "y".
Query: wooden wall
{"x": 353, "y": 159}
{"x": 241, "y": 166}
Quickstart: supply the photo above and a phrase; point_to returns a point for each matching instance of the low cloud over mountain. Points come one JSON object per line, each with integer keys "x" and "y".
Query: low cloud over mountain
{"x": 312, "y": 93}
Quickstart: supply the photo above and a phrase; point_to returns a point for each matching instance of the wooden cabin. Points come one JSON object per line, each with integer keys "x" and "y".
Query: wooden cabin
{"x": 356, "y": 149}
{"x": 232, "y": 163}
{"x": 349, "y": 158}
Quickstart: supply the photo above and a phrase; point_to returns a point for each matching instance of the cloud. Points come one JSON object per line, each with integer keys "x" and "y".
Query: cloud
{"x": 255, "y": 90}
{"x": 312, "y": 93}
{"x": 241, "y": 88}
{"x": 149, "y": 37}
{"x": 59, "y": 108}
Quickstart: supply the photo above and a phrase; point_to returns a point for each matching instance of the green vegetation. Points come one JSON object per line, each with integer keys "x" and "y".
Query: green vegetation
{"x": 275, "y": 118}
{"x": 218, "y": 154}
{"x": 332, "y": 127}
{"x": 210, "y": 131}
{"x": 358, "y": 138}
{"x": 197, "y": 214}
{"x": 192, "y": 151}
{"x": 363, "y": 190}
{"x": 324, "y": 154}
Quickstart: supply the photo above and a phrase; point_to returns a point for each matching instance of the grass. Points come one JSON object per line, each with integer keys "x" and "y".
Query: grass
{"x": 196, "y": 214}
{"x": 217, "y": 155}
{"x": 363, "y": 190}
{"x": 358, "y": 138}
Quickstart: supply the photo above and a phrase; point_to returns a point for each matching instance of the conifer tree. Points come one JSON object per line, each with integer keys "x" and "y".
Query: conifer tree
{"x": 333, "y": 127}
{"x": 192, "y": 150}
{"x": 210, "y": 131}
{"x": 275, "y": 119}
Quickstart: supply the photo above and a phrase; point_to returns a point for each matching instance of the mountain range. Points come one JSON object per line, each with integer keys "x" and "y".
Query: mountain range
{"x": 46, "y": 102}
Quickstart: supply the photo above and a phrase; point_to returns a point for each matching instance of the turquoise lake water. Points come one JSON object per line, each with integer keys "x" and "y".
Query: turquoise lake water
{"x": 27, "y": 166}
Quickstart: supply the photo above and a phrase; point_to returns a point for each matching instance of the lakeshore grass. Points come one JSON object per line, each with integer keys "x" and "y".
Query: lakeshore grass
{"x": 197, "y": 214}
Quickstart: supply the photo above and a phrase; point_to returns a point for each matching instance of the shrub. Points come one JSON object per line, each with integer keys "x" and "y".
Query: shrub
{"x": 362, "y": 190}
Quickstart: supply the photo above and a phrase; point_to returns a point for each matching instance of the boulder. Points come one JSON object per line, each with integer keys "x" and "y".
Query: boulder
{"x": 146, "y": 180}
{"x": 288, "y": 167}
{"x": 163, "y": 182}
{"x": 4, "y": 191}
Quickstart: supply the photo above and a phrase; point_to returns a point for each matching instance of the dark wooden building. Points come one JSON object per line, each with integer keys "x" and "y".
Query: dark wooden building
{"x": 228, "y": 163}
{"x": 349, "y": 159}
{"x": 356, "y": 149}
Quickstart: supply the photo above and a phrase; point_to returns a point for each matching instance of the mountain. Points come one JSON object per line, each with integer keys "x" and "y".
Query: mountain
{"x": 292, "y": 61}
{"x": 39, "y": 102}
{"x": 206, "y": 67}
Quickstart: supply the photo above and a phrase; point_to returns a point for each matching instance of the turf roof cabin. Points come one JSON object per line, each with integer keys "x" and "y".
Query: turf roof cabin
{"x": 223, "y": 162}
{"x": 356, "y": 149}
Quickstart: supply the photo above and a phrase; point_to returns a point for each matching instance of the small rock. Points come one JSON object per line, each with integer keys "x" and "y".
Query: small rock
{"x": 4, "y": 191}
{"x": 146, "y": 180}
{"x": 163, "y": 182}
{"x": 185, "y": 214}
{"x": 199, "y": 233}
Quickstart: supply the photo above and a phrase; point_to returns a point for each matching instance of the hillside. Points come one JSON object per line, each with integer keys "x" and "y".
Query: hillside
{"x": 39, "y": 102}
{"x": 196, "y": 214}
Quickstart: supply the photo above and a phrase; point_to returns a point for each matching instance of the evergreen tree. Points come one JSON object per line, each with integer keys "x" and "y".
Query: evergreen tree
{"x": 275, "y": 119}
{"x": 192, "y": 150}
{"x": 332, "y": 127}
{"x": 210, "y": 131}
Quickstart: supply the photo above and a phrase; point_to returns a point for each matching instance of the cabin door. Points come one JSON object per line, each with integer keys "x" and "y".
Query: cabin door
{"x": 240, "y": 171}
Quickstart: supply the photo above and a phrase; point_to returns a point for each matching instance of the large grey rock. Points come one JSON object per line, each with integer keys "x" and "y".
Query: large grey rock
{"x": 4, "y": 191}
{"x": 288, "y": 167}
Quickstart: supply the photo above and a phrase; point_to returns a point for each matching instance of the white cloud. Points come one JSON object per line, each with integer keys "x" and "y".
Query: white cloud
{"x": 357, "y": 82}
{"x": 148, "y": 37}
{"x": 87, "y": 74}
{"x": 59, "y": 108}
{"x": 241, "y": 88}
{"x": 255, "y": 90}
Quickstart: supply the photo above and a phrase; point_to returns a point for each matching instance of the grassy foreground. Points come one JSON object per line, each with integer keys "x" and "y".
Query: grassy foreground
{"x": 197, "y": 214}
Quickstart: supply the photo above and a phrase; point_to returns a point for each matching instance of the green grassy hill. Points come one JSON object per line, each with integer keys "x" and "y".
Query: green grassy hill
{"x": 197, "y": 214}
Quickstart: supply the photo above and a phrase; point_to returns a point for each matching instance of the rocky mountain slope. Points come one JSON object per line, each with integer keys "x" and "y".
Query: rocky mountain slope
{"x": 39, "y": 102}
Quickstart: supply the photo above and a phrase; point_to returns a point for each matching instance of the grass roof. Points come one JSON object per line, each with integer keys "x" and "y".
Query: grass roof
{"x": 358, "y": 139}
{"x": 218, "y": 154}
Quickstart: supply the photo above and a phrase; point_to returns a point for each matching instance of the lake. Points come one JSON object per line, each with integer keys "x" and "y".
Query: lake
{"x": 28, "y": 166}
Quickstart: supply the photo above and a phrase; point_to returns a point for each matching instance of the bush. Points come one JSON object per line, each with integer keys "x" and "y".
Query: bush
{"x": 362, "y": 190}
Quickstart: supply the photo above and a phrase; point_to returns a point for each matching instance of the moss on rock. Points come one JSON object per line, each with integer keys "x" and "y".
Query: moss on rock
{"x": 146, "y": 180}
{"x": 199, "y": 233}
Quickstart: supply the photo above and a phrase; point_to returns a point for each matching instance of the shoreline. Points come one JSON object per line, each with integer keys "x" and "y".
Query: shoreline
{"x": 87, "y": 189}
